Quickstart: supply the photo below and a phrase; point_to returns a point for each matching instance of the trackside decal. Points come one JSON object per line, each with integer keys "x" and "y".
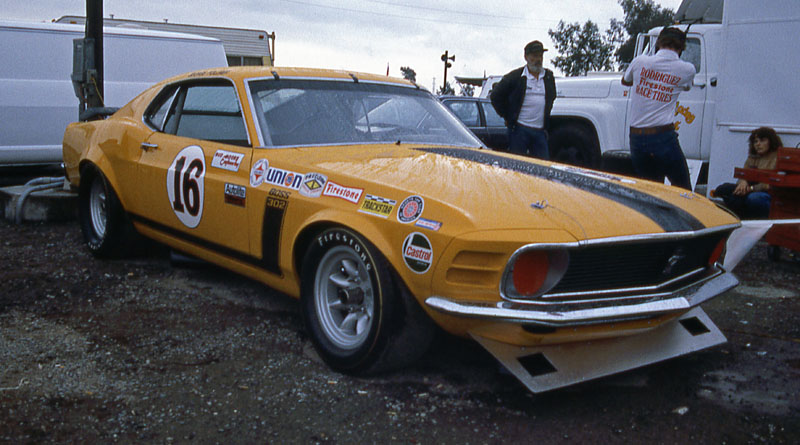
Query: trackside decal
{"x": 376, "y": 205}
{"x": 186, "y": 185}
{"x": 417, "y": 252}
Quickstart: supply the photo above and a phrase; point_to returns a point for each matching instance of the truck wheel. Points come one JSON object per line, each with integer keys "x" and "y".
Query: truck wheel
{"x": 574, "y": 144}
{"x": 359, "y": 316}
{"x": 104, "y": 224}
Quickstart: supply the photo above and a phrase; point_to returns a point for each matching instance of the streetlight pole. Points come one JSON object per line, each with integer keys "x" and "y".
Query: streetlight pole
{"x": 447, "y": 64}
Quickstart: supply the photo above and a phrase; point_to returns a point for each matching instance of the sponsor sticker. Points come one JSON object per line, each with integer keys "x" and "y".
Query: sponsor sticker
{"x": 376, "y": 205}
{"x": 235, "y": 194}
{"x": 283, "y": 178}
{"x": 258, "y": 172}
{"x": 429, "y": 224}
{"x": 186, "y": 185}
{"x": 312, "y": 185}
{"x": 351, "y": 194}
{"x": 417, "y": 252}
{"x": 227, "y": 160}
{"x": 410, "y": 209}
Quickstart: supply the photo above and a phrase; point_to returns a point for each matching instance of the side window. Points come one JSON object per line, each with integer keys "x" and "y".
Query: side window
{"x": 211, "y": 112}
{"x": 492, "y": 118}
{"x": 467, "y": 112}
{"x": 692, "y": 53}
{"x": 156, "y": 116}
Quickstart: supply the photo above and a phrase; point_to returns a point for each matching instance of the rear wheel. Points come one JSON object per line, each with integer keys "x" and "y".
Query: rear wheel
{"x": 574, "y": 144}
{"x": 357, "y": 313}
{"x": 104, "y": 225}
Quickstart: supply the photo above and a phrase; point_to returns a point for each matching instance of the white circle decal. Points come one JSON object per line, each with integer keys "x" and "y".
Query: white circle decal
{"x": 186, "y": 185}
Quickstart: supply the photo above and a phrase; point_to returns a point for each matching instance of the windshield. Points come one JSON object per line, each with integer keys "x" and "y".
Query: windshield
{"x": 328, "y": 112}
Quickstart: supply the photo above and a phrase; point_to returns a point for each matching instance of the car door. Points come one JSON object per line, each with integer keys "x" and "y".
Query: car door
{"x": 194, "y": 170}
{"x": 496, "y": 131}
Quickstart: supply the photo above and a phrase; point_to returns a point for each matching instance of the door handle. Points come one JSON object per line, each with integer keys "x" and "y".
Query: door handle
{"x": 147, "y": 146}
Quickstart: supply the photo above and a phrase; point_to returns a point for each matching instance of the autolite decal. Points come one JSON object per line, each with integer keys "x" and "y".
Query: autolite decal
{"x": 227, "y": 160}
{"x": 313, "y": 184}
{"x": 351, "y": 194}
{"x": 235, "y": 194}
{"x": 378, "y": 206}
{"x": 410, "y": 209}
{"x": 418, "y": 252}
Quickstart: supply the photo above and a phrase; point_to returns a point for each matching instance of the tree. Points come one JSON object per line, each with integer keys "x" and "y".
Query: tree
{"x": 583, "y": 48}
{"x": 446, "y": 90}
{"x": 408, "y": 73}
{"x": 640, "y": 16}
{"x": 467, "y": 89}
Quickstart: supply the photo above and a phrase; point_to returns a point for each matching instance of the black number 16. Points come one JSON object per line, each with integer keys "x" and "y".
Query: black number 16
{"x": 186, "y": 186}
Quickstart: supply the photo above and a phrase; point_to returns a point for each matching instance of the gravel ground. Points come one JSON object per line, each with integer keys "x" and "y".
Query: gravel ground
{"x": 141, "y": 350}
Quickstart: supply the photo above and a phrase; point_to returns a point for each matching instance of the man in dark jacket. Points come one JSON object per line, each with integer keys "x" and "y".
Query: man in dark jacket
{"x": 524, "y": 98}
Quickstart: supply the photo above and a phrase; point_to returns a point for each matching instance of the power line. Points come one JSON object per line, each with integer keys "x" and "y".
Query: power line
{"x": 406, "y": 17}
{"x": 452, "y": 11}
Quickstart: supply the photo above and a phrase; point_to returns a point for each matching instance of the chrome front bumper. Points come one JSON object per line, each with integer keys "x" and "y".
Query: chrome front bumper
{"x": 567, "y": 315}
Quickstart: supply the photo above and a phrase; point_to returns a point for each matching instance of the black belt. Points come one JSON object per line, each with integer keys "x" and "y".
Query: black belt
{"x": 653, "y": 130}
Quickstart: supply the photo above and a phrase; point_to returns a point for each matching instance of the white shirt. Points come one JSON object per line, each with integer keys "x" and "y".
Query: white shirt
{"x": 532, "y": 112}
{"x": 657, "y": 81}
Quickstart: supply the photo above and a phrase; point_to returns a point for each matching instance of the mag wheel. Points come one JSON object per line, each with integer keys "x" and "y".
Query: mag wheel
{"x": 103, "y": 222}
{"x": 358, "y": 316}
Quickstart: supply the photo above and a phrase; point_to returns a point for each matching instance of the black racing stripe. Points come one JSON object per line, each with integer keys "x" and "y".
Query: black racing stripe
{"x": 264, "y": 264}
{"x": 671, "y": 218}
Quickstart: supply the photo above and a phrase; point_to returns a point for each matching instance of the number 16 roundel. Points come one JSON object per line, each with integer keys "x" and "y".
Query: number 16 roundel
{"x": 185, "y": 187}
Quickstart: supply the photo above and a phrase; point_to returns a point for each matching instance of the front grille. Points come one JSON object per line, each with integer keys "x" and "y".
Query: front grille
{"x": 620, "y": 266}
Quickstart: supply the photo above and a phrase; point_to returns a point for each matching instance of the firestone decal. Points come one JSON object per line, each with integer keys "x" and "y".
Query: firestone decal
{"x": 378, "y": 206}
{"x": 258, "y": 172}
{"x": 186, "y": 185}
{"x": 227, "y": 160}
{"x": 351, "y": 194}
{"x": 417, "y": 252}
{"x": 312, "y": 185}
{"x": 410, "y": 209}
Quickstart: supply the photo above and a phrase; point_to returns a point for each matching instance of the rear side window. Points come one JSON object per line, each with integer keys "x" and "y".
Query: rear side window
{"x": 467, "y": 112}
{"x": 492, "y": 118}
{"x": 208, "y": 111}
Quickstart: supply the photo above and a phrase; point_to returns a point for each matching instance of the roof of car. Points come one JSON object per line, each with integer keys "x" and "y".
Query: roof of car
{"x": 244, "y": 72}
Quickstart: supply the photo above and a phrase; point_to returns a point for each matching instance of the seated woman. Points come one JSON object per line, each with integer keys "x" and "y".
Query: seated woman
{"x": 751, "y": 200}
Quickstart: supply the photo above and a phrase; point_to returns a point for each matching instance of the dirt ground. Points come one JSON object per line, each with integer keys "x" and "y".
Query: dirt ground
{"x": 141, "y": 350}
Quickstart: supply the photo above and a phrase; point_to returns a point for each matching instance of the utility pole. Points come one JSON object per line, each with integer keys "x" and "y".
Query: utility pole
{"x": 447, "y": 64}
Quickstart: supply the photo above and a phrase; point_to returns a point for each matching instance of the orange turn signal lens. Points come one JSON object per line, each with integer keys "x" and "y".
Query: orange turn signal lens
{"x": 530, "y": 271}
{"x": 716, "y": 254}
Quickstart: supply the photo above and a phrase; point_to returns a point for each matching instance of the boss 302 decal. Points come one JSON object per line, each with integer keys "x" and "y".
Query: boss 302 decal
{"x": 186, "y": 185}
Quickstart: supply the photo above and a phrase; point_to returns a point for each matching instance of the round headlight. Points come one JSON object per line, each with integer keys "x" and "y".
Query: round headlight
{"x": 533, "y": 272}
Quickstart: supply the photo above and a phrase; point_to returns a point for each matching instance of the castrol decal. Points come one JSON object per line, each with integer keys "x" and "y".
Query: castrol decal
{"x": 418, "y": 252}
{"x": 410, "y": 209}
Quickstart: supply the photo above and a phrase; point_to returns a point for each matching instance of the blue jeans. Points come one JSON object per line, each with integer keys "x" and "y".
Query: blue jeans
{"x": 754, "y": 205}
{"x": 656, "y": 156}
{"x": 528, "y": 142}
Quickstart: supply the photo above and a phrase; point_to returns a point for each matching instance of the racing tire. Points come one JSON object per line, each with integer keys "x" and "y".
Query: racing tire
{"x": 574, "y": 144}
{"x": 104, "y": 224}
{"x": 357, "y": 312}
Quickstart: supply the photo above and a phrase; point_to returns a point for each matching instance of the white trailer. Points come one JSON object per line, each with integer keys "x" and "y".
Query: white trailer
{"x": 37, "y": 99}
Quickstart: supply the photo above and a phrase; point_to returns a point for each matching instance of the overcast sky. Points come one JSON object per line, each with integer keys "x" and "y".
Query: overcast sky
{"x": 367, "y": 35}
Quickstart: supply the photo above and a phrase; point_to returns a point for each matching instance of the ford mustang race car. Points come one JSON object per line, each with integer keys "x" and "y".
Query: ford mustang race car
{"x": 364, "y": 197}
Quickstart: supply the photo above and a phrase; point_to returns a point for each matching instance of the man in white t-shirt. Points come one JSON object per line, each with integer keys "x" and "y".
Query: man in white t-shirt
{"x": 657, "y": 80}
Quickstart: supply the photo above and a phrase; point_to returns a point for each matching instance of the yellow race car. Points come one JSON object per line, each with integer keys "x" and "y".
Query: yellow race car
{"x": 363, "y": 196}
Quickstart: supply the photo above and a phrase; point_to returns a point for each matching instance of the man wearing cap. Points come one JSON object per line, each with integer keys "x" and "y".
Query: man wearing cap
{"x": 657, "y": 81}
{"x": 524, "y": 98}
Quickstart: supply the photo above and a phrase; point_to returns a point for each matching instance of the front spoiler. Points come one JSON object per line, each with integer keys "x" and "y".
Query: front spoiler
{"x": 681, "y": 301}
{"x": 543, "y": 368}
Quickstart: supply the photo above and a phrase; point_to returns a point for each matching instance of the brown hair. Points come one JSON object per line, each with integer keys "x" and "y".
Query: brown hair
{"x": 764, "y": 133}
{"x": 672, "y": 38}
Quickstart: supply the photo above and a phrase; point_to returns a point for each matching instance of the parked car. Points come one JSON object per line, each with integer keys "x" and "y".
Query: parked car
{"x": 481, "y": 119}
{"x": 362, "y": 196}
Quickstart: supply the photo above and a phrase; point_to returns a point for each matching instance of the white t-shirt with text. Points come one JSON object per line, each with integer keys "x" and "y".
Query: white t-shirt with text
{"x": 532, "y": 112}
{"x": 657, "y": 81}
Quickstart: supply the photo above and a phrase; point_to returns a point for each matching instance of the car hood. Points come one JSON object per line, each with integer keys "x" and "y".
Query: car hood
{"x": 471, "y": 189}
{"x": 590, "y": 86}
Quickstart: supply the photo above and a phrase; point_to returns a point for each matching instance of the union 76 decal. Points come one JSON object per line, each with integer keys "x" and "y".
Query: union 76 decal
{"x": 185, "y": 185}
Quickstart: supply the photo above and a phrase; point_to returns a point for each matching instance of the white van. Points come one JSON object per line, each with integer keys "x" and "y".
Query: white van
{"x": 37, "y": 99}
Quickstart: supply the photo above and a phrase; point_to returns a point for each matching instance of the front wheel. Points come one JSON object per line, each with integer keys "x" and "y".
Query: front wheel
{"x": 574, "y": 144}
{"x": 357, "y": 313}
